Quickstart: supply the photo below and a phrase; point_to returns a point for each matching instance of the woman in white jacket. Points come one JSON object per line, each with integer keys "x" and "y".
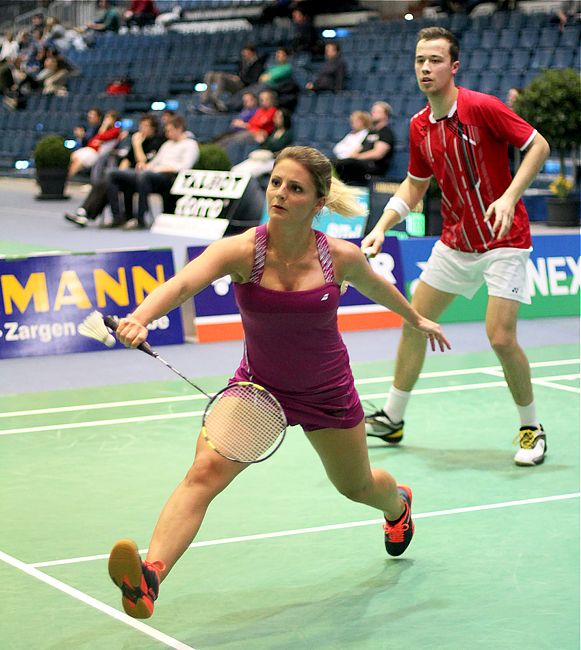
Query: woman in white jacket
{"x": 360, "y": 124}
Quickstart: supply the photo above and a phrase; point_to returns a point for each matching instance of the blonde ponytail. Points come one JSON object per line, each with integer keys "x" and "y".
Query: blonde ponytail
{"x": 342, "y": 199}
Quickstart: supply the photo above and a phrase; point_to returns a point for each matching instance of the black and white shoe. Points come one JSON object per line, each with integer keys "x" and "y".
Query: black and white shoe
{"x": 77, "y": 219}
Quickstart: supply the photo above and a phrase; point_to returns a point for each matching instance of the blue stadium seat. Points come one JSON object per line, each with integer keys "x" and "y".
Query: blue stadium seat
{"x": 571, "y": 37}
{"x": 565, "y": 58}
{"x": 529, "y": 37}
{"x": 499, "y": 60}
{"x": 508, "y": 38}
{"x": 489, "y": 83}
{"x": 542, "y": 59}
{"x": 470, "y": 40}
{"x": 520, "y": 59}
{"x": 478, "y": 60}
{"x": 489, "y": 39}
{"x": 549, "y": 37}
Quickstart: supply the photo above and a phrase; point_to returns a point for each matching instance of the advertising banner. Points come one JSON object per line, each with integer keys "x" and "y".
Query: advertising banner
{"x": 43, "y": 298}
{"x": 208, "y": 201}
{"x": 217, "y": 317}
{"x": 553, "y": 275}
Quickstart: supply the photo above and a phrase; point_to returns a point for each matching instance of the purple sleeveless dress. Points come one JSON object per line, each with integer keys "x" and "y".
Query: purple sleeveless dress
{"x": 294, "y": 347}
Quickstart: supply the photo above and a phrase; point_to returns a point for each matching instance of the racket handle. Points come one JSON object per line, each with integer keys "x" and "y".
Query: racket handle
{"x": 112, "y": 322}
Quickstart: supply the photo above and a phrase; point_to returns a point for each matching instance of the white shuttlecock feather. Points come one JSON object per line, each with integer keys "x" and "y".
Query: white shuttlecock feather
{"x": 94, "y": 328}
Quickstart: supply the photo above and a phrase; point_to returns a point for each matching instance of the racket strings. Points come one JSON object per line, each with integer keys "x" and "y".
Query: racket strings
{"x": 243, "y": 422}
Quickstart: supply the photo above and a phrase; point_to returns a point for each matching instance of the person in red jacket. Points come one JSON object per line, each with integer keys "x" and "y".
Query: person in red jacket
{"x": 86, "y": 157}
{"x": 140, "y": 13}
{"x": 258, "y": 127}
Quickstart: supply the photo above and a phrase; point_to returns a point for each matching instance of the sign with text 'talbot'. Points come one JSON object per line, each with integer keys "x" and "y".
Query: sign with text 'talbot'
{"x": 206, "y": 204}
{"x": 44, "y": 298}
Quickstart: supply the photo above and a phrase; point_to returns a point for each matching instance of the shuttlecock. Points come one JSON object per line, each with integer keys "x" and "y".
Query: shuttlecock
{"x": 94, "y": 328}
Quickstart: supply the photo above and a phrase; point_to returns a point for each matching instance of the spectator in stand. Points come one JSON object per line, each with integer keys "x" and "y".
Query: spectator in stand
{"x": 332, "y": 73}
{"x": 276, "y": 9}
{"x": 37, "y": 22}
{"x": 305, "y": 38}
{"x": 277, "y": 76}
{"x": 249, "y": 107}
{"x": 107, "y": 135}
{"x": 10, "y": 47}
{"x": 261, "y": 161}
{"x": 154, "y": 177}
{"x": 568, "y": 13}
{"x": 84, "y": 134}
{"x": 258, "y": 127}
{"x": 108, "y": 21}
{"x": 280, "y": 71}
{"x": 168, "y": 18}
{"x": 374, "y": 154}
{"x": 250, "y": 68}
{"x": 119, "y": 86}
{"x": 140, "y": 13}
{"x": 53, "y": 77}
{"x": 144, "y": 145}
{"x": 360, "y": 126}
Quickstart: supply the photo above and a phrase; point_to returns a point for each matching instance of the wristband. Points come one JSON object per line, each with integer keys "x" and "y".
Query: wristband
{"x": 398, "y": 205}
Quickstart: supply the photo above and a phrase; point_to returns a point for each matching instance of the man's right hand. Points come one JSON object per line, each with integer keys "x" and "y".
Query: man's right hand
{"x": 373, "y": 241}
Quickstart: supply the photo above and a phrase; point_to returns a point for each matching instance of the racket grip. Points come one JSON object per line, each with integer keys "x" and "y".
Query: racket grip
{"x": 112, "y": 322}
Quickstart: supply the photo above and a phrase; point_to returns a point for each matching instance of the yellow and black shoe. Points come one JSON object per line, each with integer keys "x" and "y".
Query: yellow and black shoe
{"x": 138, "y": 580}
{"x": 380, "y": 425}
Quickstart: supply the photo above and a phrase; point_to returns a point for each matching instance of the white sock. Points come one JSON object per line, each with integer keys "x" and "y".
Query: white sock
{"x": 396, "y": 403}
{"x": 81, "y": 212}
{"x": 528, "y": 415}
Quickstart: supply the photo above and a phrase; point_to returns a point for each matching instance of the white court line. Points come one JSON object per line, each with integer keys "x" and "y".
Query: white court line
{"x": 550, "y": 384}
{"x": 358, "y": 382}
{"x": 168, "y": 641}
{"x": 471, "y": 371}
{"x": 187, "y": 414}
{"x": 321, "y": 529}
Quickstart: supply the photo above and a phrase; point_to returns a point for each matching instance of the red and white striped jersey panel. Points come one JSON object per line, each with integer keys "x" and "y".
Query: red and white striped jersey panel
{"x": 467, "y": 152}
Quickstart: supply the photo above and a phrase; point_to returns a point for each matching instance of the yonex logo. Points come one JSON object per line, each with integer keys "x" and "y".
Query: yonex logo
{"x": 325, "y": 297}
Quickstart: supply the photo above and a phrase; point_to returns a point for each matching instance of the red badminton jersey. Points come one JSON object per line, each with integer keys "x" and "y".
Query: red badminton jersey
{"x": 467, "y": 152}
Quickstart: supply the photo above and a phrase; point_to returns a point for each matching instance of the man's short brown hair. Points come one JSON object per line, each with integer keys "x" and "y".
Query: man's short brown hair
{"x": 433, "y": 33}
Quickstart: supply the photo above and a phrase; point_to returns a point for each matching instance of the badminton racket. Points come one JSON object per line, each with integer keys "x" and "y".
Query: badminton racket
{"x": 242, "y": 422}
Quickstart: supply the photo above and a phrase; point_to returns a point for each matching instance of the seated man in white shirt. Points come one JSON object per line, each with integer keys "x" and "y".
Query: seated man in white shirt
{"x": 178, "y": 152}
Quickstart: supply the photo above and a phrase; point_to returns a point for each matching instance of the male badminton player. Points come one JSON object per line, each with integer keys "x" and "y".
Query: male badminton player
{"x": 461, "y": 138}
{"x": 287, "y": 280}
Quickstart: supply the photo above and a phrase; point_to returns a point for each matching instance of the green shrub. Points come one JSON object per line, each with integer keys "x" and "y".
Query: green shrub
{"x": 213, "y": 157}
{"x": 552, "y": 104}
{"x": 50, "y": 153}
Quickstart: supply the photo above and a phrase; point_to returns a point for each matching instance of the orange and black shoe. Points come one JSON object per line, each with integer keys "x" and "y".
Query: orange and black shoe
{"x": 138, "y": 580}
{"x": 399, "y": 533}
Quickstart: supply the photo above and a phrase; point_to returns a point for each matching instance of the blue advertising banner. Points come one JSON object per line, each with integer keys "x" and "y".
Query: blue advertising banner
{"x": 553, "y": 275}
{"x": 43, "y": 298}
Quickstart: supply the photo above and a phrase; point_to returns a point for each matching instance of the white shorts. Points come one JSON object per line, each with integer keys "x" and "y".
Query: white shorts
{"x": 87, "y": 156}
{"x": 503, "y": 269}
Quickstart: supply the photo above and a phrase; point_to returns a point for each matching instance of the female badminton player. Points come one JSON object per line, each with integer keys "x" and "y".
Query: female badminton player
{"x": 287, "y": 279}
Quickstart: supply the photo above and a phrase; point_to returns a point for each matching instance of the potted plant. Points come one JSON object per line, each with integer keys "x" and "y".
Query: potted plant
{"x": 552, "y": 103}
{"x": 51, "y": 159}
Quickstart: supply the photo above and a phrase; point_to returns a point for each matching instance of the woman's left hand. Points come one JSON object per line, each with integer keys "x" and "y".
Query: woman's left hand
{"x": 433, "y": 332}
